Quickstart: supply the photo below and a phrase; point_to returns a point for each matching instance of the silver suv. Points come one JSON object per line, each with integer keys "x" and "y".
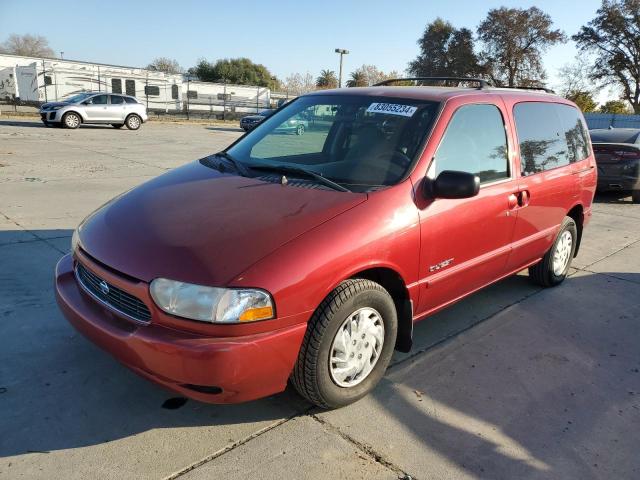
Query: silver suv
{"x": 95, "y": 107}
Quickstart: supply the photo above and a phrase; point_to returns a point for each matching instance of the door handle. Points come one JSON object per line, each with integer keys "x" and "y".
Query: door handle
{"x": 518, "y": 200}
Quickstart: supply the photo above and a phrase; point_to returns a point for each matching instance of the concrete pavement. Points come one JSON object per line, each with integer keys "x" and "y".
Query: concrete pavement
{"x": 513, "y": 382}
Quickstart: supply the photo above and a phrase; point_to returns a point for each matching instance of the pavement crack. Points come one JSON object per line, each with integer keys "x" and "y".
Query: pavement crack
{"x": 611, "y": 254}
{"x": 37, "y": 237}
{"x": 368, "y": 450}
{"x": 235, "y": 445}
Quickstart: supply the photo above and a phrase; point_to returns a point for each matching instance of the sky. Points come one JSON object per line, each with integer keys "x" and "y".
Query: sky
{"x": 286, "y": 36}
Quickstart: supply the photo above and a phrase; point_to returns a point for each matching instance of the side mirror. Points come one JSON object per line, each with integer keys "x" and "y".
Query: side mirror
{"x": 452, "y": 184}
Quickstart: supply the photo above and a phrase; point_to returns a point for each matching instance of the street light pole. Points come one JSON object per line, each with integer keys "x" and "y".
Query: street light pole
{"x": 342, "y": 52}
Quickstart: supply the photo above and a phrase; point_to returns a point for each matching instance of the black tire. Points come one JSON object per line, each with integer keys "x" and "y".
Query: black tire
{"x": 311, "y": 376}
{"x": 133, "y": 122}
{"x": 71, "y": 120}
{"x": 635, "y": 196}
{"x": 542, "y": 273}
{"x": 117, "y": 125}
{"x": 300, "y": 130}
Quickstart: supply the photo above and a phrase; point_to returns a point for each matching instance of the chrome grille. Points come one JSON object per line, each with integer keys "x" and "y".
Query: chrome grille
{"x": 112, "y": 296}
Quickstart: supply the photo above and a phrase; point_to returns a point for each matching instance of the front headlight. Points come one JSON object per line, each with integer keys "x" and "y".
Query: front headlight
{"x": 211, "y": 304}
{"x": 75, "y": 240}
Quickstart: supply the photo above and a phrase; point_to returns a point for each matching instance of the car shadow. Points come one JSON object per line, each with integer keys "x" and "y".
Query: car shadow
{"x": 39, "y": 124}
{"x": 613, "y": 197}
{"x": 225, "y": 129}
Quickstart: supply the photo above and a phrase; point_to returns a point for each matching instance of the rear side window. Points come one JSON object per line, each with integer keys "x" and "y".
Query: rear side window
{"x": 475, "y": 142}
{"x": 116, "y": 100}
{"x": 551, "y": 135}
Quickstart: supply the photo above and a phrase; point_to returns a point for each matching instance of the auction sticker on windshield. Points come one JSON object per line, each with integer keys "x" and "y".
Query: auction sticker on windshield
{"x": 392, "y": 109}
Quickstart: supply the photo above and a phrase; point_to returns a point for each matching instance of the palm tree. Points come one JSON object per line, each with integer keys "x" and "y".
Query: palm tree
{"x": 357, "y": 79}
{"x": 327, "y": 79}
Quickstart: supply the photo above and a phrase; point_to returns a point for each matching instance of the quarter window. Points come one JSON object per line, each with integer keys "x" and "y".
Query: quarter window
{"x": 475, "y": 142}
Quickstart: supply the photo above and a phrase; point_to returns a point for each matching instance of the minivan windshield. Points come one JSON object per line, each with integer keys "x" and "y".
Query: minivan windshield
{"x": 359, "y": 142}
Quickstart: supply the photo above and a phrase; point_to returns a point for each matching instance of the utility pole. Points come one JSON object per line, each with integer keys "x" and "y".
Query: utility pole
{"x": 342, "y": 52}
{"x": 224, "y": 100}
{"x": 188, "y": 82}
{"x": 44, "y": 83}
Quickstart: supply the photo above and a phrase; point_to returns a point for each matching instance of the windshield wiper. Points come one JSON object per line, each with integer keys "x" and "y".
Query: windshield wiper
{"x": 302, "y": 171}
{"x": 239, "y": 166}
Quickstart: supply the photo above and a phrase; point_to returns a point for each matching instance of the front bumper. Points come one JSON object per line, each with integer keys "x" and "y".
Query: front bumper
{"x": 49, "y": 115}
{"x": 244, "y": 368}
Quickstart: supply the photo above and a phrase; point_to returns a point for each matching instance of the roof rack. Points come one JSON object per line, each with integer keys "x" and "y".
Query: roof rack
{"x": 541, "y": 88}
{"x": 482, "y": 83}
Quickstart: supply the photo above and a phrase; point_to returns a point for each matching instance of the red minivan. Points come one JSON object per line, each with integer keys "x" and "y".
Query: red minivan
{"x": 310, "y": 257}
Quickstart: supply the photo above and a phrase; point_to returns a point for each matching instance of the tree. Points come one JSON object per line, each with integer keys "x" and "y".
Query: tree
{"x": 237, "y": 71}
{"x": 166, "y": 65}
{"x": 584, "y": 100}
{"x": 368, "y": 75}
{"x": 614, "y": 36}
{"x": 445, "y": 51}
{"x": 615, "y": 106}
{"x": 575, "y": 78}
{"x": 513, "y": 41}
{"x": 327, "y": 79}
{"x": 358, "y": 79}
{"x": 298, "y": 84}
{"x": 27, "y": 46}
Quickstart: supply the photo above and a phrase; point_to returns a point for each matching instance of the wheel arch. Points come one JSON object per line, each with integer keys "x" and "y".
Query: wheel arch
{"x": 393, "y": 283}
{"x": 77, "y": 112}
{"x": 577, "y": 214}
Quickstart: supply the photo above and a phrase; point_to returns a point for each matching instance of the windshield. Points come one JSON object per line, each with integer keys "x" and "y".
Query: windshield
{"x": 356, "y": 141}
{"x": 77, "y": 98}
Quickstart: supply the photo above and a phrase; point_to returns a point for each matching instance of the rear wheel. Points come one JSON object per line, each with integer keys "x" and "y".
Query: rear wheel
{"x": 71, "y": 120}
{"x": 117, "y": 125}
{"x": 133, "y": 122}
{"x": 635, "y": 196}
{"x": 348, "y": 344}
{"x": 554, "y": 266}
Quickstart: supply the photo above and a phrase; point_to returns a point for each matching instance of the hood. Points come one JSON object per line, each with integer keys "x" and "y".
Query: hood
{"x": 54, "y": 104}
{"x": 198, "y": 225}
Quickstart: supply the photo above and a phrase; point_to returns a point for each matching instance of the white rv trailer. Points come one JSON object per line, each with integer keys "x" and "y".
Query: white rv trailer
{"x": 8, "y": 89}
{"x": 218, "y": 97}
{"x": 38, "y": 80}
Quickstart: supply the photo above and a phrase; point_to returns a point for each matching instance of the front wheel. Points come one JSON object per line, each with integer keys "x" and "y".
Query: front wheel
{"x": 300, "y": 130}
{"x": 133, "y": 122}
{"x": 635, "y": 196}
{"x": 554, "y": 266}
{"x": 71, "y": 120}
{"x": 348, "y": 344}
